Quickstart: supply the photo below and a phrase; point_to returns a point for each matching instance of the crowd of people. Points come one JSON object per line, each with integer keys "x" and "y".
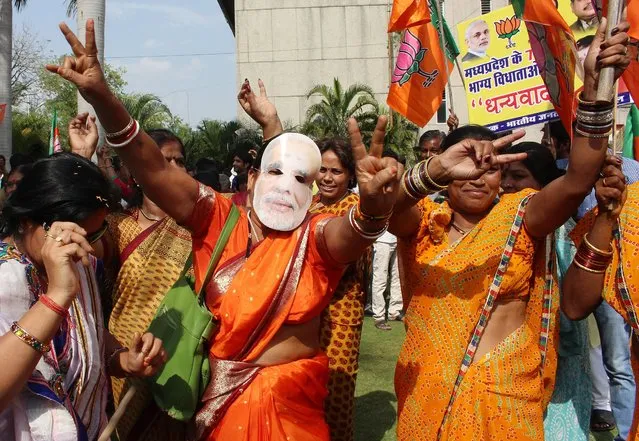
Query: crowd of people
{"x": 492, "y": 252}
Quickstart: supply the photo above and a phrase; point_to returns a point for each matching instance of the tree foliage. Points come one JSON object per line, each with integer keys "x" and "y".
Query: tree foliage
{"x": 147, "y": 109}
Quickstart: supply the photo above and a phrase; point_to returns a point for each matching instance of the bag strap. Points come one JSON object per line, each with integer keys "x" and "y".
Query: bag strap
{"x": 229, "y": 225}
{"x": 487, "y": 309}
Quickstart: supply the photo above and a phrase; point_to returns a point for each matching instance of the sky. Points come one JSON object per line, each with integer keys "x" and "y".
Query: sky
{"x": 138, "y": 34}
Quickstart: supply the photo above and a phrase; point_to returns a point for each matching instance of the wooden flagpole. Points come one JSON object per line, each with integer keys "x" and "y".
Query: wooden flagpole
{"x": 442, "y": 39}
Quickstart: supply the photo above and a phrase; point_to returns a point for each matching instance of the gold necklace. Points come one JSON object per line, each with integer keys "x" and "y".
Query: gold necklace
{"x": 457, "y": 228}
{"x": 150, "y": 218}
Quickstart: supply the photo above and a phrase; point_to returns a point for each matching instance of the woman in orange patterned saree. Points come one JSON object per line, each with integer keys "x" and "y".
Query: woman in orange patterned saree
{"x": 611, "y": 231}
{"x": 342, "y": 320}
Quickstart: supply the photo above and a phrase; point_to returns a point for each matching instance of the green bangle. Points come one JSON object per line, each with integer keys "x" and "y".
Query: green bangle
{"x": 29, "y": 339}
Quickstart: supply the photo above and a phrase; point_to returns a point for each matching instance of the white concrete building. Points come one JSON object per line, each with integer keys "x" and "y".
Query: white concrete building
{"x": 295, "y": 44}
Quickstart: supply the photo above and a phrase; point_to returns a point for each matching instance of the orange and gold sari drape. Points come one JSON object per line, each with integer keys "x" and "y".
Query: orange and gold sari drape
{"x": 503, "y": 393}
{"x": 341, "y": 332}
{"x": 284, "y": 281}
{"x": 629, "y": 246}
{"x": 150, "y": 263}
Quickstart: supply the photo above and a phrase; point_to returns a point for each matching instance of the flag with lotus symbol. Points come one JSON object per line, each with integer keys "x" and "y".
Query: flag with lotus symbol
{"x": 419, "y": 78}
{"x": 54, "y": 136}
{"x": 555, "y": 52}
{"x": 408, "y": 13}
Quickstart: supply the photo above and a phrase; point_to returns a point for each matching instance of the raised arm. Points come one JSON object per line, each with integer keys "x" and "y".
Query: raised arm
{"x": 584, "y": 281}
{"x": 560, "y": 199}
{"x": 260, "y": 109}
{"x": 170, "y": 188}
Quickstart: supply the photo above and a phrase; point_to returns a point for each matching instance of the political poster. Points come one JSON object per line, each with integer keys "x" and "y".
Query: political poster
{"x": 504, "y": 90}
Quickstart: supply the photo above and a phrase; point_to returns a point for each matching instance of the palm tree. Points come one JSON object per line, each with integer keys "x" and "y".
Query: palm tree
{"x": 328, "y": 116}
{"x": 401, "y": 135}
{"x": 147, "y": 109}
{"x": 6, "y": 35}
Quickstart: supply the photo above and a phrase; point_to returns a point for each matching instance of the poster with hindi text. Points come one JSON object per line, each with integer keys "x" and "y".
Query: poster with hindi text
{"x": 504, "y": 90}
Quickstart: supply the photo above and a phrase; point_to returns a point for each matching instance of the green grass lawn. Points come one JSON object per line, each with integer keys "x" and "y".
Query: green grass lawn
{"x": 375, "y": 402}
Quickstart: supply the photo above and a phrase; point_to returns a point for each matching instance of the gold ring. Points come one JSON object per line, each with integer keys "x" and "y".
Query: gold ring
{"x": 58, "y": 239}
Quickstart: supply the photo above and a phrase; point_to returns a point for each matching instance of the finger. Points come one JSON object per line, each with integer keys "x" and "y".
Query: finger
{"x": 377, "y": 142}
{"x": 505, "y": 141}
{"x": 69, "y": 75}
{"x": 91, "y": 125}
{"x": 147, "y": 343}
{"x": 69, "y": 63}
{"x": 154, "y": 351}
{"x": 617, "y": 49}
{"x": 619, "y": 61}
{"x": 620, "y": 39}
{"x": 600, "y": 35}
{"x": 79, "y": 239}
{"x": 244, "y": 90}
{"x": 91, "y": 48}
{"x": 623, "y": 26}
{"x": 357, "y": 146}
{"x": 53, "y": 68}
{"x": 58, "y": 227}
{"x": 508, "y": 158}
{"x": 135, "y": 343}
{"x": 73, "y": 41}
{"x": 75, "y": 252}
{"x": 260, "y": 83}
{"x": 611, "y": 194}
{"x": 383, "y": 178}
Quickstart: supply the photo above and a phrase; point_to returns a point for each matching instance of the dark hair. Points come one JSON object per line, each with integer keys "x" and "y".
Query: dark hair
{"x": 209, "y": 178}
{"x": 585, "y": 41}
{"x": 18, "y": 159}
{"x": 244, "y": 155}
{"x": 342, "y": 150}
{"x": 207, "y": 165}
{"x": 431, "y": 134}
{"x": 471, "y": 131}
{"x": 62, "y": 187}
{"x": 241, "y": 179}
{"x": 22, "y": 169}
{"x": 3, "y": 157}
{"x": 558, "y": 131}
{"x": 539, "y": 162}
{"x": 164, "y": 136}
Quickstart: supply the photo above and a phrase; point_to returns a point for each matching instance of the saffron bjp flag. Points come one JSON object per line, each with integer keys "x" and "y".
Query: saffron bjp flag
{"x": 631, "y": 134}
{"x": 54, "y": 136}
{"x": 555, "y": 52}
{"x": 419, "y": 78}
{"x": 3, "y": 108}
{"x": 407, "y": 14}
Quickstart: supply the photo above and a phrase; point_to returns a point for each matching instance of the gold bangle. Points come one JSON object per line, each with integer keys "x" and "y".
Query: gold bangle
{"x": 429, "y": 179}
{"x": 29, "y": 339}
{"x": 579, "y": 265}
{"x": 597, "y": 250}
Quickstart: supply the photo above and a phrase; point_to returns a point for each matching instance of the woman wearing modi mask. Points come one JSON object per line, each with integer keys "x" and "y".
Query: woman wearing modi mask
{"x": 342, "y": 320}
{"x": 280, "y": 265}
{"x": 479, "y": 358}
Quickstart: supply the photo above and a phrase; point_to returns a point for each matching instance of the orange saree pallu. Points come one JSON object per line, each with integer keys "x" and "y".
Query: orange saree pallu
{"x": 443, "y": 391}
{"x": 150, "y": 262}
{"x": 284, "y": 280}
{"x": 341, "y": 333}
{"x": 621, "y": 285}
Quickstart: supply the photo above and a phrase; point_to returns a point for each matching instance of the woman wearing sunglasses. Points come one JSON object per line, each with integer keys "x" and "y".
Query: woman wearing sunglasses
{"x": 54, "y": 350}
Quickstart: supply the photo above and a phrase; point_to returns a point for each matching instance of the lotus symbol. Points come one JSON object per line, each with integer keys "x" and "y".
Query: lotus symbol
{"x": 409, "y": 58}
{"x": 508, "y": 28}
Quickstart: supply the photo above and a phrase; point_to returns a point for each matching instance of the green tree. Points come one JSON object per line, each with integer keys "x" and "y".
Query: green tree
{"x": 401, "y": 134}
{"x": 147, "y": 109}
{"x": 328, "y": 116}
{"x": 30, "y": 133}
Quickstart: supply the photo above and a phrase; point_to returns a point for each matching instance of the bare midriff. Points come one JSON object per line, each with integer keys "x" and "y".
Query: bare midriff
{"x": 506, "y": 318}
{"x": 291, "y": 343}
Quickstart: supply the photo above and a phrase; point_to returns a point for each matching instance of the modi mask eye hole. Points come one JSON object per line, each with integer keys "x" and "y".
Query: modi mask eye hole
{"x": 300, "y": 179}
{"x": 275, "y": 172}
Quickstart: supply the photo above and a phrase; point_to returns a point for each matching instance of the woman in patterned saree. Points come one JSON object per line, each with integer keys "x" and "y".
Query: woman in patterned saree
{"x": 145, "y": 251}
{"x": 479, "y": 358}
{"x": 54, "y": 350}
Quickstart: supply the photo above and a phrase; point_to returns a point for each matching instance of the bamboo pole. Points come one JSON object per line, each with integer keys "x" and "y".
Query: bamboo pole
{"x": 442, "y": 39}
{"x": 117, "y": 416}
{"x": 606, "y": 87}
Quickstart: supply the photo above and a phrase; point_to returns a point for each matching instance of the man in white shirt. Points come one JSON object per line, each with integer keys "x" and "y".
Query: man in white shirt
{"x": 385, "y": 271}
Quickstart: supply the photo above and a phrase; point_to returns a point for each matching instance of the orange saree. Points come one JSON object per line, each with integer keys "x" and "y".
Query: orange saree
{"x": 341, "y": 333}
{"x": 623, "y": 278}
{"x": 287, "y": 279}
{"x": 503, "y": 394}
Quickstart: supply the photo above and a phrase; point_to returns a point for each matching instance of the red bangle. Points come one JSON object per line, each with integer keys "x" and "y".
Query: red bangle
{"x": 53, "y": 306}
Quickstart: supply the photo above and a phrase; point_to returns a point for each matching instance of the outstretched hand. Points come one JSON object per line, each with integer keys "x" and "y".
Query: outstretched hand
{"x": 469, "y": 159}
{"x": 83, "y": 69}
{"x": 377, "y": 177}
{"x": 258, "y": 107}
{"x": 83, "y": 135}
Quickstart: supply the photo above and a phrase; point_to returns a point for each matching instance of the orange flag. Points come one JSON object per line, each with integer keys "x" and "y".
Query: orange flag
{"x": 408, "y": 13}
{"x": 555, "y": 53}
{"x": 419, "y": 78}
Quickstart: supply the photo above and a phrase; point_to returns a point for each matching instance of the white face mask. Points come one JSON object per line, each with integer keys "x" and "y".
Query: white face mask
{"x": 283, "y": 193}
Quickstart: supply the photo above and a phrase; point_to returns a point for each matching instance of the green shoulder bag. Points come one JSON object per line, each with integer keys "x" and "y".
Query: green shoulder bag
{"x": 184, "y": 324}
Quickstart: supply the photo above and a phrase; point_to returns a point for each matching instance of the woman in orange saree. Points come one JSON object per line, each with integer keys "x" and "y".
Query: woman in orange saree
{"x": 605, "y": 267}
{"x": 342, "y": 320}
